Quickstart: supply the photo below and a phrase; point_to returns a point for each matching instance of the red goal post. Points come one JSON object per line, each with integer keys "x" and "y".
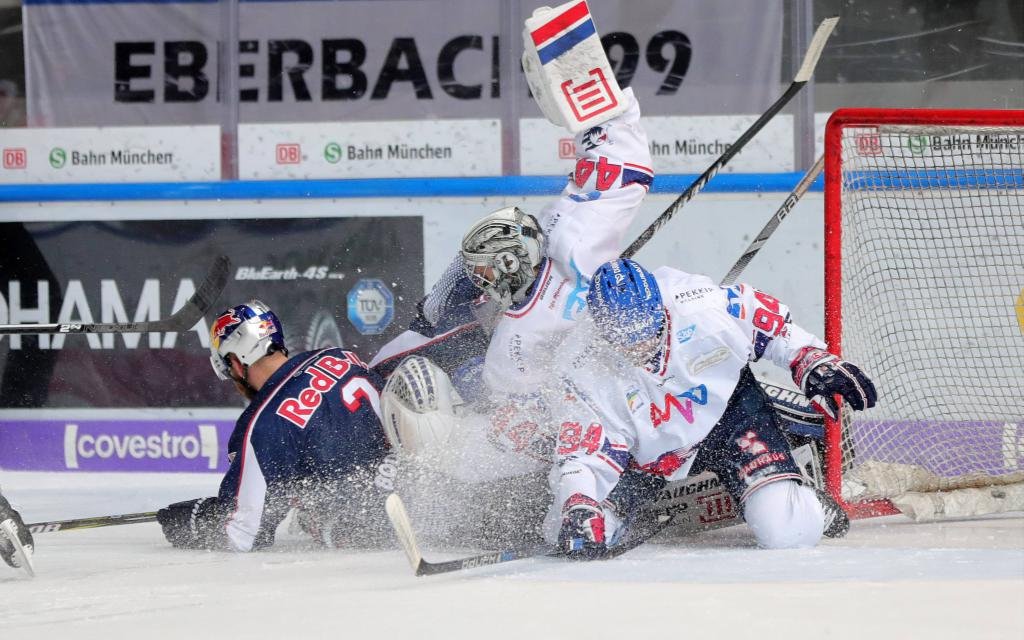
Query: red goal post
{"x": 924, "y": 288}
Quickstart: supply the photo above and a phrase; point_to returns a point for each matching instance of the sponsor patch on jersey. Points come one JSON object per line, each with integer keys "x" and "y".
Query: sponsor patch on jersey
{"x": 735, "y": 308}
{"x": 633, "y": 401}
{"x": 576, "y": 301}
{"x": 681, "y": 403}
{"x": 707, "y": 360}
{"x": 684, "y": 334}
{"x": 693, "y": 294}
{"x": 585, "y": 197}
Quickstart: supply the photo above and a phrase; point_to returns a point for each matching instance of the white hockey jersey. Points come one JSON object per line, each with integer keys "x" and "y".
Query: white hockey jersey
{"x": 584, "y": 228}
{"x": 659, "y": 414}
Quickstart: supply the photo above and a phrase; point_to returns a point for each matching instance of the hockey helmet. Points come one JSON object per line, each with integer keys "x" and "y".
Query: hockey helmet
{"x": 626, "y": 305}
{"x": 501, "y": 254}
{"x": 250, "y": 331}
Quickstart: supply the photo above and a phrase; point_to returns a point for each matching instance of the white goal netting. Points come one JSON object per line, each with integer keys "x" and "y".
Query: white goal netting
{"x": 931, "y": 220}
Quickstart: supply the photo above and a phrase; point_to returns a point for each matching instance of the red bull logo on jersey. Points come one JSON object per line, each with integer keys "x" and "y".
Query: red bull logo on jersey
{"x": 323, "y": 375}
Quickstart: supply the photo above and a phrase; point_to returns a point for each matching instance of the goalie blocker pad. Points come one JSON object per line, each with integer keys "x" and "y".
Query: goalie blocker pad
{"x": 798, "y": 415}
{"x": 567, "y": 69}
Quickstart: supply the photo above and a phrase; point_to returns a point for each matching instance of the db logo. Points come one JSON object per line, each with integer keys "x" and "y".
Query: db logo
{"x": 15, "y": 159}
{"x": 566, "y": 149}
{"x": 290, "y": 153}
{"x": 868, "y": 144}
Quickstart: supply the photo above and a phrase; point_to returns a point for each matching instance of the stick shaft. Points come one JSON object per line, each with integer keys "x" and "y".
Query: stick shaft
{"x": 92, "y": 523}
{"x": 774, "y": 222}
{"x": 181, "y": 320}
{"x": 803, "y": 75}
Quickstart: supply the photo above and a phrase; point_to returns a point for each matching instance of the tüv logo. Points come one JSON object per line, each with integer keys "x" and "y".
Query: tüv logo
{"x": 160, "y": 451}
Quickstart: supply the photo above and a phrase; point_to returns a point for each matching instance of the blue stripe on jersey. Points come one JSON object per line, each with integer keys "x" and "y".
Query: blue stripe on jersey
{"x": 630, "y": 176}
{"x": 567, "y": 41}
{"x": 618, "y": 456}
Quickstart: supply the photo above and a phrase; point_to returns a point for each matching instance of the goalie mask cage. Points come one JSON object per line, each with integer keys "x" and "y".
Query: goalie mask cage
{"x": 924, "y": 273}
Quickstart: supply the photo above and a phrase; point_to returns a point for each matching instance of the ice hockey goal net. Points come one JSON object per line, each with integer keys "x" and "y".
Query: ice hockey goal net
{"x": 924, "y": 272}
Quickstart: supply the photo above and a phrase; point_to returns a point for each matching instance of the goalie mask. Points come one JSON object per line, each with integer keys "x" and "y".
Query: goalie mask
{"x": 626, "y": 305}
{"x": 250, "y": 331}
{"x": 501, "y": 254}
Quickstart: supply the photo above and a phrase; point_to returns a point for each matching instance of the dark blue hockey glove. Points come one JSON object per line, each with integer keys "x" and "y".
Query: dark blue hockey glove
{"x": 821, "y": 375}
{"x": 582, "y": 534}
{"x": 194, "y": 524}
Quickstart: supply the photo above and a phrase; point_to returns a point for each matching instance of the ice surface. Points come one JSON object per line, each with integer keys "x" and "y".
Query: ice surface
{"x": 889, "y": 578}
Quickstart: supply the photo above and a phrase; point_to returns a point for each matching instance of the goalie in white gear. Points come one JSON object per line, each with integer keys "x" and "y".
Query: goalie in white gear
{"x": 533, "y": 272}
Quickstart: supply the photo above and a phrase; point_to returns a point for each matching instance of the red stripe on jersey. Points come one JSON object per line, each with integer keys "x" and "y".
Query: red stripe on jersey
{"x": 611, "y": 463}
{"x": 434, "y": 340}
{"x": 782, "y": 476}
{"x": 638, "y": 167}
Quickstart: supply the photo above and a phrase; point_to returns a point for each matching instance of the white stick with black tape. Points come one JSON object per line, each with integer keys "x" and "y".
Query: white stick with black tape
{"x": 774, "y": 222}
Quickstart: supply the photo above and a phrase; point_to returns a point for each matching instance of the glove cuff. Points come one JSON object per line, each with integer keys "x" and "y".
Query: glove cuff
{"x": 806, "y": 360}
{"x": 580, "y": 501}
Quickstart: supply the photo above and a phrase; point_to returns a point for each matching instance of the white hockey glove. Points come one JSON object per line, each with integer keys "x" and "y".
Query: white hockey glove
{"x": 582, "y": 533}
{"x": 821, "y": 375}
{"x": 567, "y": 69}
{"x": 418, "y": 407}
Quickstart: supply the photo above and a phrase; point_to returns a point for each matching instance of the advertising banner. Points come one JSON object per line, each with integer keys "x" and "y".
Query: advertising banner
{"x": 332, "y": 281}
{"x": 115, "y": 445}
{"x": 95, "y": 62}
{"x": 433, "y": 148}
{"x": 679, "y": 144}
{"x": 110, "y": 154}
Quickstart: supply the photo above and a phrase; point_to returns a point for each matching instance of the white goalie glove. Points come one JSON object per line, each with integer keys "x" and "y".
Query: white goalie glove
{"x": 418, "y": 407}
{"x": 567, "y": 69}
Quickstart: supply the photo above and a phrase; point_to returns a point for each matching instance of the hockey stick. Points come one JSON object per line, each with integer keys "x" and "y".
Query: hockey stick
{"x": 181, "y": 320}
{"x": 91, "y": 523}
{"x": 395, "y": 509}
{"x": 801, "y": 78}
{"x": 773, "y": 223}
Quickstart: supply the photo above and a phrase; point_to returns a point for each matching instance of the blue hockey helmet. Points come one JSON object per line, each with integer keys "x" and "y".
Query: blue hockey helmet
{"x": 627, "y": 308}
{"x": 250, "y": 331}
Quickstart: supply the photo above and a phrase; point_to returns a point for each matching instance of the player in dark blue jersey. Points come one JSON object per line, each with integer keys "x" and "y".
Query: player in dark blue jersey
{"x": 310, "y": 436}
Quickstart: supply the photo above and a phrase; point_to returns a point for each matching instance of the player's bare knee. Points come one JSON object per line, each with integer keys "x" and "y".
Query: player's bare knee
{"x": 784, "y": 515}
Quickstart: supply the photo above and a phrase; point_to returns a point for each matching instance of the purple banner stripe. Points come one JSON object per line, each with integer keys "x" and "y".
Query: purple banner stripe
{"x": 114, "y": 445}
{"x": 945, "y": 448}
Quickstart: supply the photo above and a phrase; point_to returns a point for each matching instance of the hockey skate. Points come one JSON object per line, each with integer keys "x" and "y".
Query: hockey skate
{"x": 837, "y": 523}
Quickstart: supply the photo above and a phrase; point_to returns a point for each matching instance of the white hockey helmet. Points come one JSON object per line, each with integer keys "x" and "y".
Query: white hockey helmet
{"x": 501, "y": 253}
{"x": 250, "y": 331}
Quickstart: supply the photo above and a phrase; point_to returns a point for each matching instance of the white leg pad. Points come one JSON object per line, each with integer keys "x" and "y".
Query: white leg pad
{"x": 784, "y": 515}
